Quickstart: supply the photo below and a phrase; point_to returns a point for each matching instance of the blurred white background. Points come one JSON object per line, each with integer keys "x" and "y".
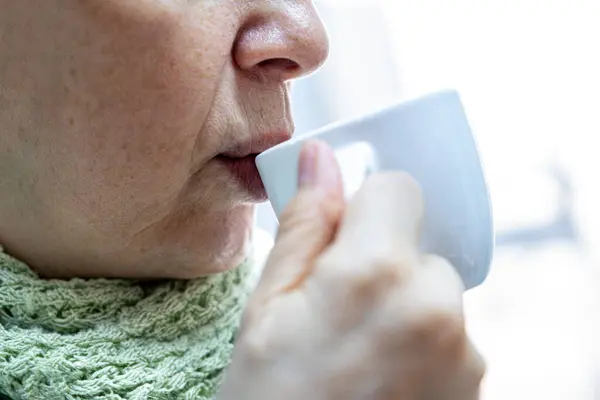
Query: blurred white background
{"x": 529, "y": 75}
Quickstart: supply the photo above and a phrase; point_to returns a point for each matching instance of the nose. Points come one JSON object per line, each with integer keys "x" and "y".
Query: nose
{"x": 282, "y": 40}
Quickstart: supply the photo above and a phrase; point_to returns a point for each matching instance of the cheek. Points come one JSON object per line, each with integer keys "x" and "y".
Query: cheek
{"x": 139, "y": 96}
{"x": 136, "y": 92}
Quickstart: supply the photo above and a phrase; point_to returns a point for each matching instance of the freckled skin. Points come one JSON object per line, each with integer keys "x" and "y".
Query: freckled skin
{"x": 111, "y": 115}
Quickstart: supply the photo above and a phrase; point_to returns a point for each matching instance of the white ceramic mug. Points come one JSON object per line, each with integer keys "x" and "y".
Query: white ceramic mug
{"x": 429, "y": 138}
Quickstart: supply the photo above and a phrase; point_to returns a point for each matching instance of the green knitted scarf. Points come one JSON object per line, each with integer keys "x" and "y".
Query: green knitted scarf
{"x": 116, "y": 339}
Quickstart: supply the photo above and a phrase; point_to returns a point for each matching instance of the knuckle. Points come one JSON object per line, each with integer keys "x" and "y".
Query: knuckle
{"x": 256, "y": 337}
{"x": 361, "y": 279}
{"x": 437, "y": 261}
{"x": 392, "y": 263}
{"x": 478, "y": 367}
{"x": 443, "y": 268}
{"x": 397, "y": 191}
{"x": 345, "y": 265}
{"x": 251, "y": 314}
{"x": 255, "y": 347}
{"x": 479, "y": 372}
{"x": 309, "y": 208}
{"x": 441, "y": 332}
{"x": 367, "y": 287}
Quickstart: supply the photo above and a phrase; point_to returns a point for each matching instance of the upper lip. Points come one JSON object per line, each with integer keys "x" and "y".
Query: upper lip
{"x": 257, "y": 144}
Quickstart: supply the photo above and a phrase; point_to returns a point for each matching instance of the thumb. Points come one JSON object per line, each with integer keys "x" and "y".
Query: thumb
{"x": 310, "y": 221}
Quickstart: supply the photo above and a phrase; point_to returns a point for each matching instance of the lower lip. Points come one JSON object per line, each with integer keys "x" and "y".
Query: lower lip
{"x": 246, "y": 174}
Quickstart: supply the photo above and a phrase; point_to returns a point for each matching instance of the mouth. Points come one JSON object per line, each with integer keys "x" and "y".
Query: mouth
{"x": 240, "y": 162}
{"x": 244, "y": 171}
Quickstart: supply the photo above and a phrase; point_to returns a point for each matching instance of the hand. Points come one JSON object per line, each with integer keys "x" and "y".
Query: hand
{"x": 347, "y": 308}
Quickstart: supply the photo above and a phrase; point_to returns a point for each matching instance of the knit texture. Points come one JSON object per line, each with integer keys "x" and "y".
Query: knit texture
{"x": 116, "y": 339}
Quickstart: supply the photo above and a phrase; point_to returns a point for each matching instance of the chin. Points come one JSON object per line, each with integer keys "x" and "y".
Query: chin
{"x": 201, "y": 244}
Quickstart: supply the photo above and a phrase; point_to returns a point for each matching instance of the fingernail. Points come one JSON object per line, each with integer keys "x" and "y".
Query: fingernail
{"x": 318, "y": 166}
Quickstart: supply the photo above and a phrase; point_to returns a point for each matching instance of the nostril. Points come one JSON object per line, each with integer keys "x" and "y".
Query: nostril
{"x": 282, "y": 64}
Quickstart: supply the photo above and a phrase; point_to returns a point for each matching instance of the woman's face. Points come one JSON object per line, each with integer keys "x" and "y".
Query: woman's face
{"x": 127, "y": 128}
